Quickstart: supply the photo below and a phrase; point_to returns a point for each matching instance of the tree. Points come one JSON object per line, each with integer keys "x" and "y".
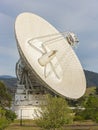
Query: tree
{"x": 6, "y": 116}
{"x": 54, "y": 114}
{"x": 5, "y": 97}
{"x": 3, "y": 121}
{"x": 90, "y": 109}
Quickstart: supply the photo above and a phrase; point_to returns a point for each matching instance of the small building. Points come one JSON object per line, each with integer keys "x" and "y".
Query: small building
{"x": 26, "y": 104}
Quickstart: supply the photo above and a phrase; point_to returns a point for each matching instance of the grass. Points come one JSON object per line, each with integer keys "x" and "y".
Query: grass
{"x": 26, "y": 125}
{"x": 30, "y": 125}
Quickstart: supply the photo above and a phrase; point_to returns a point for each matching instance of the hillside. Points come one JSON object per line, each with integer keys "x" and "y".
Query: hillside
{"x": 10, "y": 82}
{"x": 91, "y": 78}
{"x": 6, "y": 77}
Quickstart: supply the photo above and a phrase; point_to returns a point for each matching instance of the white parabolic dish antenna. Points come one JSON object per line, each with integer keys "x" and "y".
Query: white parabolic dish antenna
{"x": 49, "y": 57}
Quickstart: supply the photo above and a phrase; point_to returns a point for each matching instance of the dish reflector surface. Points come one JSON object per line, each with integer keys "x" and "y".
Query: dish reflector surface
{"x": 51, "y": 58}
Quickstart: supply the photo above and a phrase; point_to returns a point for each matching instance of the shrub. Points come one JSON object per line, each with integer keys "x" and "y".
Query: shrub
{"x": 54, "y": 114}
{"x": 3, "y": 123}
{"x": 10, "y": 115}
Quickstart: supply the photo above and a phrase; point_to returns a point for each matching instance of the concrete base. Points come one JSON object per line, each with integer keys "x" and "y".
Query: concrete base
{"x": 26, "y": 112}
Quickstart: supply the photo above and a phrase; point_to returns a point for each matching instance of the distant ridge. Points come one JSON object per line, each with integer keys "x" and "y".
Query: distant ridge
{"x": 9, "y": 81}
{"x": 91, "y": 79}
{"x": 6, "y": 77}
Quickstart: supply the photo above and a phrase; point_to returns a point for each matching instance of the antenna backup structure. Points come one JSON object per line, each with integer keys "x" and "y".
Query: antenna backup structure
{"x": 47, "y": 64}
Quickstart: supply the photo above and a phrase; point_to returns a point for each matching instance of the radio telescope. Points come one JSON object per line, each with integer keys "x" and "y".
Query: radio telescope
{"x": 47, "y": 61}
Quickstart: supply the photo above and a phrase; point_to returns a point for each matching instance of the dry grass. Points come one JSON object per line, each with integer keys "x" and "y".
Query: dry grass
{"x": 30, "y": 125}
{"x": 26, "y": 125}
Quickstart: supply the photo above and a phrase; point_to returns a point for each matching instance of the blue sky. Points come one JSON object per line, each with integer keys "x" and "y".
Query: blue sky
{"x": 79, "y": 16}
